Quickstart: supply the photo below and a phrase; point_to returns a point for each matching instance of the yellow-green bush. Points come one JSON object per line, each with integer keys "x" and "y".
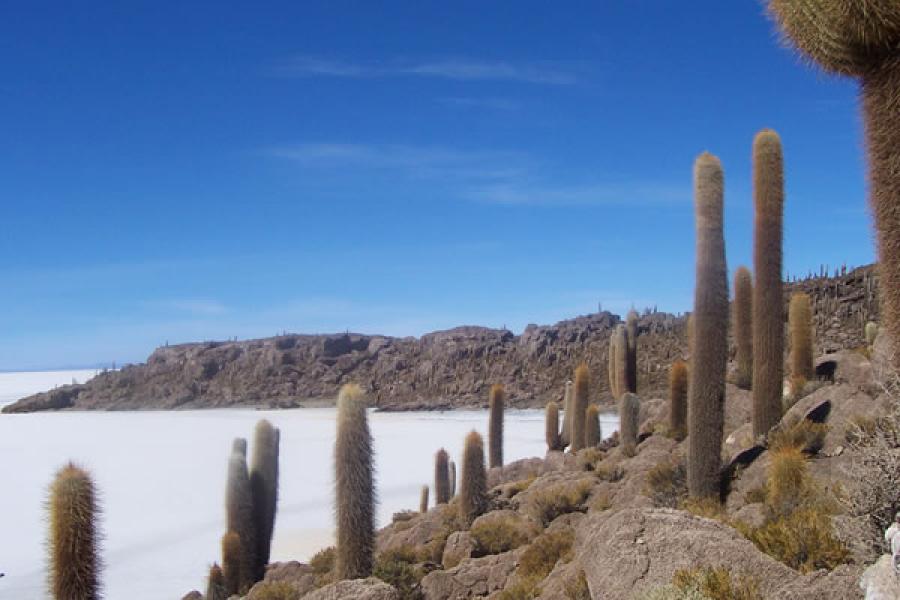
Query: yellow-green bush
{"x": 804, "y": 435}
{"x": 589, "y": 458}
{"x": 545, "y": 551}
{"x": 708, "y": 507}
{"x": 717, "y": 583}
{"x": 667, "y": 484}
{"x": 560, "y": 499}
{"x": 522, "y": 589}
{"x": 500, "y": 535}
{"x": 275, "y": 590}
{"x": 397, "y": 567}
{"x": 322, "y": 564}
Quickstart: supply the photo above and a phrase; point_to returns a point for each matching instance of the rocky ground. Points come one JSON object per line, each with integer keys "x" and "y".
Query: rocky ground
{"x": 603, "y": 525}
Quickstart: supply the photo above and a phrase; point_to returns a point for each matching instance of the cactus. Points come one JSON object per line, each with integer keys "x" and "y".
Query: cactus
{"x": 871, "y": 333}
{"x": 74, "y": 537}
{"x": 629, "y": 415}
{"x": 551, "y": 426}
{"x": 579, "y": 406}
{"x": 742, "y": 326}
{"x": 473, "y": 486}
{"x": 264, "y": 487}
{"x": 622, "y": 375}
{"x": 631, "y": 335}
{"x": 215, "y": 584}
{"x": 452, "y": 479}
{"x": 239, "y": 445}
{"x": 423, "y": 500}
{"x": 354, "y": 487}
{"x": 240, "y": 516}
{"x": 565, "y": 434}
{"x": 859, "y": 38}
{"x": 710, "y": 323}
{"x": 800, "y": 326}
{"x": 768, "y": 307}
{"x": 592, "y": 426}
{"x": 442, "y": 493}
{"x": 496, "y": 401}
{"x": 678, "y": 385}
{"x": 612, "y": 372}
{"x": 231, "y": 563}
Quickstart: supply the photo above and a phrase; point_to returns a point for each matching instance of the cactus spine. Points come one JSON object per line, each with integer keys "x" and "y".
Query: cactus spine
{"x": 423, "y": 500}
{"x": 74, "y": 536}
{"x": 860, "y": 39}
{"x": 551, "y": 426}
{"x": 452, "y": 479}
{"x": 215, "y": 584}
{"x": 240, "y": 515}
{"x": 592, "y": 426}
{"x": 768, "y": 307}
{"x": 496, "y": 402}
{"x": 742, "y": 325}
{"x": 441, "y": 478}
{"x": 264, "y": 486}
{"x": 678, "y": 385}
{"x": 473, "y": 487}
{"x": 231, "y": 563}
{"x": 631, "y": 335}
{"x": 629, "y": 414}
{"x": 800, "y": 325}
{"x": 579, "y": 406}
{"x": 565, "y": 435}
{"x": 354, "y": 487}
{"x": 710, "y": 323}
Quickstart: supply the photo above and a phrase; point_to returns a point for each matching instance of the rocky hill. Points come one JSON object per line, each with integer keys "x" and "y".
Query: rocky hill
{"x": 444, "y": 369}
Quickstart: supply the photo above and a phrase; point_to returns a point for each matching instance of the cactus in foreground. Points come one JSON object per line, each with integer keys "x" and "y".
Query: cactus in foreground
{"x": 473, "y": 486}
{"x": 354, "y": 487}
{"x": 452, "y": 479}
{"x": 800, "y": 326}
{"x": 215, "y": 584}
{"x": 629, "y": 416}
{"x": 768, "y": 307}
{"x": 231, "y": 563}
{"x": 442, "y": 492}
{"x": 551, "y": 426}
{"x": 859, "y": 38}
{"x": 264, "y": 486}
{"x": 240, "y": 516}
{"x": 74, "y": 536}
{"x": 579, "y": 406}
{"x": 631, "y": 335}
{"x": 871, "y": 333}
{"x": 742, "y": 326}
{"x": 496, "y": 402}
{"x": 678, "y": 385}
{"x": 423, "y": 500}
{"x": 592, "y": 426}
{"x": 565, "y": 434}
{"x": 710, "y": 352}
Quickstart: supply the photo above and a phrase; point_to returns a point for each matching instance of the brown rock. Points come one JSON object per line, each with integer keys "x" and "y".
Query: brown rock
{"x": 459, "y": 547}
{"x": 355, "y": 589}
{"x": 472, "y": 578}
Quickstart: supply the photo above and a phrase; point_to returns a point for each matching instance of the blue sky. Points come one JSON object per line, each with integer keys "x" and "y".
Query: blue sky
{"x": 192, "y": 170}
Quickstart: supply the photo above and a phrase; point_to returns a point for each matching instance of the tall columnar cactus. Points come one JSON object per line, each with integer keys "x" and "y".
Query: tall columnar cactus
{"x": 441, "y": 477}
{"x": 231, "y": 563}
{"x": 631, "y": 335}
{"x": 215, "y": 584}
{"x": 622, "y": 374}
{"x": 496, "y": 402}
{"x": 859, "y": 38}
{"x": 800, "y": 325}
{"x": 565, "y": 434}
{"x": 742, "y": 326}
{"x": 629, "y": 415}
{"x": 612, "y": 370}
{"x": 264, "y": 486}
{"x": 768, "y": 307}
{"x": 592, "y": 426}
{"x": 240, "y": 516}
{"x": 678, "y": 386}
{"x": 580, "y": 399}
{"x": 354, "y": 487}
{"x": 423, "y": 500}
{"x": 551, "y": 426}
{"x": 452, "y": 479}
{"x": 239, "y": 445}
{"x": 473, "y": 486}
{"x": 74, "y": 542}
{"x": 710, "y": 353}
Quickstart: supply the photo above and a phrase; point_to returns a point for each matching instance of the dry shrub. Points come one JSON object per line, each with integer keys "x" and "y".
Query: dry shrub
{"x": 276, "y": 590}
{"x": 755, "y": 495}
{"x": 404, "y": 516}
{"x": 667, "y": 484}
{"x": 521, "y": 589}
{"x": 397, "y": 567}
{"x": 434, "y": 550}
{"x": 804, "y": 435}
{"x": 544, "y": 552}
{"x": 589, "y": 458}
{"x": 560, "y": 499}
{"x": 577, "y": 588}
{"x": 517, "y": 487}
{"x": 607, "y": 473}
{"x": 601, "y": 502}
{"x": 717, "y": 583}
{"x": 708, "y": 507}
{"x": 322, "y": 564}
{"x": 500, "y": 535}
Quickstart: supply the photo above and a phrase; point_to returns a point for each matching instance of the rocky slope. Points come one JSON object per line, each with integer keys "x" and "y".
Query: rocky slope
{"x": 445, "y": 369}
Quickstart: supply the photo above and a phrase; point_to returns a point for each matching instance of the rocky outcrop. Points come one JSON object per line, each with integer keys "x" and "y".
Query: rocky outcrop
{"x": 355, "y": 589}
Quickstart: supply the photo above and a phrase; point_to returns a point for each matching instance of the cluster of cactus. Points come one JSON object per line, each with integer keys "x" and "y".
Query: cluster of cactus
{"x": 742, "y": 327}
{"x": 801, "y": 357}
{"x": 496, "y": 401}
{"x": 73, "y": 536}
{"x": 473, "y": 497}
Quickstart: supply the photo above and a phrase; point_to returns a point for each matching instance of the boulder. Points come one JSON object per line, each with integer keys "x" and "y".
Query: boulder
{"x": 355, "y": 589}
{"x": 472, "y": 578}
{"x": 459, "y": 547}
{"x": 880, "y": 582}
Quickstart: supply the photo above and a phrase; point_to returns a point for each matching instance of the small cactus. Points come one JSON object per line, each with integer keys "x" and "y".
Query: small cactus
{"x": 215, "y": 584}
{"x": 551, "y": 426}
{"x": 629, "y": 415}
{"x": 264, "y": 486}
{"x": 871, "y": 333}
{"x": 742, "y": 325}
{"x": 678, "y": 384}
{"x": 354, "y": 487}
{"x": 442, "y": 484}
{"x": 800, "y": 326}
{"x": 631, "y": 333}
{"x": 240, "y": 516}
{"x": 452, "y": 471}
{"x": 74, "y": 536}
{"x": 231, "y": 563}
{"x": 565, "y": 434}
{"x": 423, "y": 500}
{"x": 496, "y": 402}
{"x": 592, "y": 426}
{"x": 579, "y": 406}
{"x": 473, "y": 487}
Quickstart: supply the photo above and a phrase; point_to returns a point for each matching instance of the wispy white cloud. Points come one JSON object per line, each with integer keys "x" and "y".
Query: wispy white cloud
{"x": 459, "y": 69}
{"x": 603, "y": 193}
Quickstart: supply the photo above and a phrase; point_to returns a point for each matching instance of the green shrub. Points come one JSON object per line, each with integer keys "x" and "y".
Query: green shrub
{"x": 276, "y": 590}
{"x": 397, "y": 567}
{"x": 667, "y": 484}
